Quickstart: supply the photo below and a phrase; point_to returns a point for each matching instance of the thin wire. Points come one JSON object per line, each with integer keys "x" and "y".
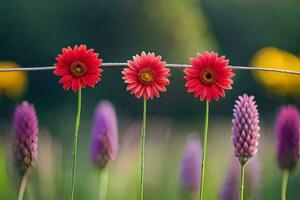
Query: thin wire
{"x": 167, "y": 65}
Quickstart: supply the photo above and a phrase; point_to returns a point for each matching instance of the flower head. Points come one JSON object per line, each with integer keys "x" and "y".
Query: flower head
{"x": 25, "y": 136}
{"x": 12, "y": 84}
{"x": 208, "y": 76}
{"x": 146, "y": 75}
{"x": 245, "y": 128}
{"x": 230, "y": 187}
{"x": 277, "y": 83}
{"x": 287, "y": 130}
{"x": 104, "y": 144}
{"x": 78, "y": 67}
{"x": 190, "y": 166}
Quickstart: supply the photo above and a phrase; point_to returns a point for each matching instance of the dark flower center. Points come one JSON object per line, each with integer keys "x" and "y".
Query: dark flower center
{"x": 208, "y": 77}
{"x": 146, "y": 76}
{"x": 78, "y": 68}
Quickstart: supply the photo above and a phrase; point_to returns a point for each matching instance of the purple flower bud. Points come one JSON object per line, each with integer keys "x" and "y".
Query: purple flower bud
{"x": 104, "y": 144}
{"x": 25, "y": 138}
{"x": 231, "y": 185}
{"x": 245, "y": 129}
{"x": 190, "y": 166}
{"x": 287, "y": 130}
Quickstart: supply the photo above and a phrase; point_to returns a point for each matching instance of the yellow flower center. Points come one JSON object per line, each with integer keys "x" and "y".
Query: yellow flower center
{"x": 146, "y": 76}
{"x": 78, "y": 68}
{"x": 208, "y": 77}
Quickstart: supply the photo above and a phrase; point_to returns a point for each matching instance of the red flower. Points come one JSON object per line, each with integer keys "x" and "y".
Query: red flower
{"x": 146, "y": 75}
{"x": 208, "y": 76}
{"x": 78, "y": 67}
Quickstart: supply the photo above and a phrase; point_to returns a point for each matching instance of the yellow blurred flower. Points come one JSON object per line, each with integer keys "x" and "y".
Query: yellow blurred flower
{"x": 12, "y": 84}
{"x": 277, "y": 83}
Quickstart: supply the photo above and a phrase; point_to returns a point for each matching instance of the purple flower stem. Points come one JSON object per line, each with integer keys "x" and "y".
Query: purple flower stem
{"x": 103, "y": 183}
{"x": 285, "y": 178}
{"x": 23, "y": 184}
{"x": 242, "y": 187}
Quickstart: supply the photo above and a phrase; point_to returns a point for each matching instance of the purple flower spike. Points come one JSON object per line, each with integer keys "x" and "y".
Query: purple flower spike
{"x": 190, "y": 166}
{"x": 25, "y": 138}
{"x": 231, "y": 185}
{"x": 287, "y": 129}
{"x": 104, "y": 144}
{"x": 245, "y": 128}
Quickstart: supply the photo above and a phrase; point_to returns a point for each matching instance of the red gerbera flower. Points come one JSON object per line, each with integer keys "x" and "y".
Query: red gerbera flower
{"x": 208, "y": 76}
{"x": 78, "y": 67}
{"x": 146, "y": 75}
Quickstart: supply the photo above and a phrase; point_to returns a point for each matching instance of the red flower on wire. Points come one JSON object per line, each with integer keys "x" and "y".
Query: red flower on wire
{"x": 209, "y": 76}
{"x": 78, "y": 67}
{"x": 146, "y": 75}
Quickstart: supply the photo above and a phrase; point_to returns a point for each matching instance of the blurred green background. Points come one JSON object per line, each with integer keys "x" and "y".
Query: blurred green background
{"x": 32, "y": 33}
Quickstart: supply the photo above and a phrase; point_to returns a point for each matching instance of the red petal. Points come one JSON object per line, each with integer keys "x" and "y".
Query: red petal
{"x": 75, "y": 85}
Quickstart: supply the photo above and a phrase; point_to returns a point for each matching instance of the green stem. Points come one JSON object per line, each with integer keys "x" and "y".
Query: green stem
{"x": 23, "y": 184}
{"x": 75, "y": 145}
{"x": 242, "y": 182}
{"x": 285, "y": 178}
{"x": 103, "y": 184}
{"x": 143, "y": 149}
{"x": 204, "y": 150}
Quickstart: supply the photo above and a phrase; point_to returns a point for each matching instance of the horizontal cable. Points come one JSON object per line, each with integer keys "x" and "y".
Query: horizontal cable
{"x": 168, "y": 65}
